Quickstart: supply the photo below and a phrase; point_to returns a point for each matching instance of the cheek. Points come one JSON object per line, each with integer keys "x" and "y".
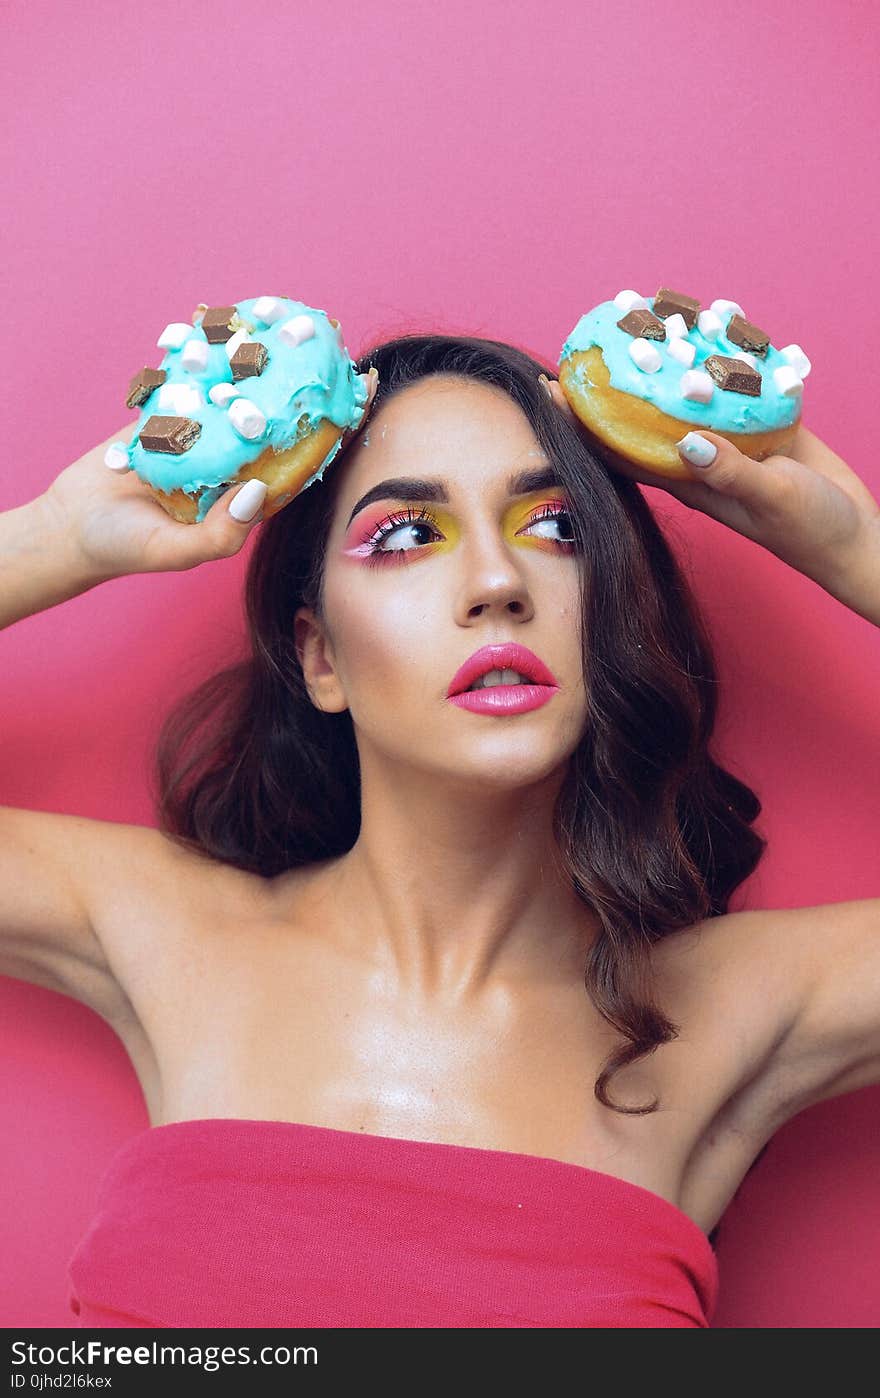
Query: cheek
{"x": 567, "y": 614}
{"x": 383, "y": 640}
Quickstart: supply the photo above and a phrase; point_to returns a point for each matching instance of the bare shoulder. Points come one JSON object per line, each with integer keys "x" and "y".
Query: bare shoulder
{"x": 61, "y": 876}
{"x": 159, "y": 909}
{"x": 106, "y": 913}
{"x": 150, "y": 896}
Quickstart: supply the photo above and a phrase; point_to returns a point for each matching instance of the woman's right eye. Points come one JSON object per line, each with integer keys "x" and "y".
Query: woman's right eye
{"x": 413, "y": 522}
{"x": 413, "y": 529}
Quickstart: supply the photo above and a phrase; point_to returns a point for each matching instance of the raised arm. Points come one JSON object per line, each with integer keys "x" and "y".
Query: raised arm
{"x": 91, "y": 525}
{"x": 818, "y": 968}
{"x": 814, "y": 513}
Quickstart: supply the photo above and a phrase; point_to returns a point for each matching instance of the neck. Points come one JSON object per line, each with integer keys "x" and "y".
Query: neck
{"x": 456, "y": 888}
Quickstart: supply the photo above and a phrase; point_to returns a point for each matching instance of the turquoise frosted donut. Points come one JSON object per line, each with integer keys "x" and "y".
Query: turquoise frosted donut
{"x": 259, "y": 388}
{"x": 641, "y": 372}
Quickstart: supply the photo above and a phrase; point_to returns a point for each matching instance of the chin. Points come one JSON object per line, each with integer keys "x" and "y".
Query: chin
{"x": 505, "y": 769}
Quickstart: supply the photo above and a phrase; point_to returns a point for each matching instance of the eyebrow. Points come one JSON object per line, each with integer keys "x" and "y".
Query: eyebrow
{"x": 411, "y": 488}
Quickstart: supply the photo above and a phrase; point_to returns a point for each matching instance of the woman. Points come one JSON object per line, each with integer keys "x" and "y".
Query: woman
{"x": 436, "y": 1002}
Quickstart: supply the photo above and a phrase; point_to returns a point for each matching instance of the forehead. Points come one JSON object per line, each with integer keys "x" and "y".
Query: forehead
{"x": 466, "y": 432}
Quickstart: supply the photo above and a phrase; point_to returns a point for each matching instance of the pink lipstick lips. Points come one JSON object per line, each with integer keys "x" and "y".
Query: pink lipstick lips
{"x": 539, "y": 687}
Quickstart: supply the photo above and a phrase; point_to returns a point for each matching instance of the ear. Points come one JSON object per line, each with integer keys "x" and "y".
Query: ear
{"x": 314, "y": 651}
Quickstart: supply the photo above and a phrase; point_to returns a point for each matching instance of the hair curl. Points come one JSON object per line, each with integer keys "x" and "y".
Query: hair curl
{"x": 653, "y": 833}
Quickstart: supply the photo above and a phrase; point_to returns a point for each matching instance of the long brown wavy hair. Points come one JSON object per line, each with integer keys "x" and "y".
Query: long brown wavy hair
{"x": 654, "y": 834}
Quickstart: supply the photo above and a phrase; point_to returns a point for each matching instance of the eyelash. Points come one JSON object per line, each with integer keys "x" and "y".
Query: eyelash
{"x": 423, "y": 516}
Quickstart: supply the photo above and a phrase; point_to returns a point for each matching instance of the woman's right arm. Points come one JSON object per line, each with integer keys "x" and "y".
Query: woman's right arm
{"x": 92, "y": 524}
{"x": 39, "y": 563}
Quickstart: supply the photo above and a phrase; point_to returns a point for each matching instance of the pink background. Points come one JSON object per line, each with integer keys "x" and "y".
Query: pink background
{"x": 495, "y": 169}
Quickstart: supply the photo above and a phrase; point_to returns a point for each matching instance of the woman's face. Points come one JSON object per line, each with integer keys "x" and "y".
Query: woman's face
{"x": 414, "y": 585}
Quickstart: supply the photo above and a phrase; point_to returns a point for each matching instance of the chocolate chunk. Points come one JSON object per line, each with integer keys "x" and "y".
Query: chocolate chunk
{"x": 173, "y": 435}
{"x": 216, "y": 324}
{"x": 142, "y": 385}
{"x": 249, "y": 359}
{"x": 667, "y": 303}
{"x": 734, "y": 375}
{"x": 749, "y": 337}
{"x": 644, "y": 324}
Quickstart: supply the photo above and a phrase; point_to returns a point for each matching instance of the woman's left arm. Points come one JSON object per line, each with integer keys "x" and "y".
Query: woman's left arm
{"x": 815, "y": 514}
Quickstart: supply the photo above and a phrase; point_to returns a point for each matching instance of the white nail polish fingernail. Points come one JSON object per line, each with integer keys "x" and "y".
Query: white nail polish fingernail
{"x": 697, "y": 450}
{"x": 248, "y": 500}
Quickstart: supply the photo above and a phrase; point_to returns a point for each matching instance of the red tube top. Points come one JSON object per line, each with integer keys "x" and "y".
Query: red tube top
{"x": 227, "y": 1222}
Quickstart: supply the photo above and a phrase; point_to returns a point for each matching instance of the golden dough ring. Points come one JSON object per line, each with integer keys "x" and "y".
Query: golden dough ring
{"x": 640, "y": 431}
{"x": 285, "y": 473}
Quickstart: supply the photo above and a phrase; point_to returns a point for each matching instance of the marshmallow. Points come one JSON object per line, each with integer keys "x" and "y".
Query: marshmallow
{"x": 116, "y": 457}
{"x": 195, "y": 355}
{"x": 174, "y": 335}
{"x": 268, "y": 309}
{"x": 709, "y": 324}
{"x": 697, "y": 386}
{"x": 222, "y": 394}
{"x": 727, "y": 308}
{"x": 182, "y": 399}
{"x": 681, "y": 349}
{"x": 631, "y": 301}
{"x": 645, "y": 355}
{"x": 676, "y": 326}
{"x": 247, "y": 419}
{"x": 787, "y": 381}
{"x": 747, "y": 358}
{"x": 797, "y": 359}
{"x": 296, "y": 331}
{"x": 241, "y": 337}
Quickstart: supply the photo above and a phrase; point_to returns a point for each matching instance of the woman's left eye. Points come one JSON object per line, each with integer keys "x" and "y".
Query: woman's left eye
{"x": 550, "y": 515}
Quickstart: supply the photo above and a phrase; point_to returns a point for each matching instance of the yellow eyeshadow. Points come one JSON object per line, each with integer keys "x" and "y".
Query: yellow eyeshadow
{"x": 446, "y": 524}
{"x": 516, "y": 516}
{"x": 519, "y": 513}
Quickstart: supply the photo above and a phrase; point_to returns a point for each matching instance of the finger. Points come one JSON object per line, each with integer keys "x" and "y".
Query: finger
{"x": 750, "y": 496}
{"x": 716, "y": 462}
{"x": 371, "y": 383}
{"x": 553, "y": 389}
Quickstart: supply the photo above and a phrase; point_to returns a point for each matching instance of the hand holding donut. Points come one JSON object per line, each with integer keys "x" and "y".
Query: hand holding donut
{"x": 808, "y": 507}
{"x": 116, "y": 526}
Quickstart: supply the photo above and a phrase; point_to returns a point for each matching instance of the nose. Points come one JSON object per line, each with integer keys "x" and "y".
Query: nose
{"x": 492, "y": 580}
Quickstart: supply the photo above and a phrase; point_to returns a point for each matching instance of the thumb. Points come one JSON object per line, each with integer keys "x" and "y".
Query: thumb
{"x": 229, "y": 521}
{"x": 728, "y": 471}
